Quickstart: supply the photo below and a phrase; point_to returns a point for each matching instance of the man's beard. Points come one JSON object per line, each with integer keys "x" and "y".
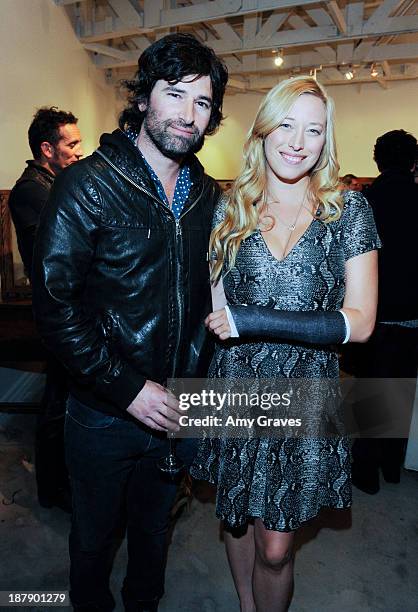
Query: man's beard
{"x": 170, "y": 144}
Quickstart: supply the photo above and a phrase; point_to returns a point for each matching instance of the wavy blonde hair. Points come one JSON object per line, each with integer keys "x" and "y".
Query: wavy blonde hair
{"x": 248, "y": 196}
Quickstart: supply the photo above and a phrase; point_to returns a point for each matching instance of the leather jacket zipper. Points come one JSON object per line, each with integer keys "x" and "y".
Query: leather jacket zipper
{"x": 180, "y": 302}
{"x": 178, "y": 247}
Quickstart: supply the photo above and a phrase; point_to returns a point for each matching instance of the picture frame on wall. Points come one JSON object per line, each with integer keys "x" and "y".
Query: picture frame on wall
{"x": 12, "y": 289}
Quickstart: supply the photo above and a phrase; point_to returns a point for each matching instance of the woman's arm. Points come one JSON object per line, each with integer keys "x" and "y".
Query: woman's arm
{"x": 218, "y": 295}
{"x": 360, "y": 301}
{"x": 316, "y": 327}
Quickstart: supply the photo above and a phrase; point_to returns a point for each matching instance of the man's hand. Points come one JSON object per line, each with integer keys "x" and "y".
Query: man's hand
{"x": 217, "y": 323}
{"x": 156, "y": 407}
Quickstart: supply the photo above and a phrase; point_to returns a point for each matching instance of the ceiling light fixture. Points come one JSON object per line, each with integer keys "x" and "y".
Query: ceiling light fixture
{"x": 374, "y": 71}
{"x": 279, "y": 59}
{"x": 313, "y": 71}
{"x": 349, "y": 74}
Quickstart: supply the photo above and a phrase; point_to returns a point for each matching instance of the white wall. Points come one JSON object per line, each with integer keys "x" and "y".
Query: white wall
{"x": 43, "y": 64}
{"x": 363, "y": 114}
{"x": 366, "y": 113}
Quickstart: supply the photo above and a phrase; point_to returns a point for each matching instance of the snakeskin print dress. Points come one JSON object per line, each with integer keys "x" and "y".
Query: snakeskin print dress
{"x": 285, "y": 482}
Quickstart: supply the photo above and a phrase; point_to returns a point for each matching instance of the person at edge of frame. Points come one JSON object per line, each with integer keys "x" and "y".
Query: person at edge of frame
{"x": 392, "y": 350}
{"x": 55, "y": 142}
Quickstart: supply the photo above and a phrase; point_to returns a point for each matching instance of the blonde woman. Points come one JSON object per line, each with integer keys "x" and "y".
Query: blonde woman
{"x": 295, "y": 264}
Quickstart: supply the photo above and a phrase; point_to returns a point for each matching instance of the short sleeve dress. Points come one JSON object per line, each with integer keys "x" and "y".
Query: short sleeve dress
{"x": 285, "y": 482}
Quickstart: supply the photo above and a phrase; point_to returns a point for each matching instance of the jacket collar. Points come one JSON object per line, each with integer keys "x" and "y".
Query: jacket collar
{"x": 34, "y": 171}
{"x": 33, "y": 164}
{"x": 125, "y": 155}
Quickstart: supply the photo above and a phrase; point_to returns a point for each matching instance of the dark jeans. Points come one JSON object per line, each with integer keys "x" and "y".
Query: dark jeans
{"x": 51, "y": 472}
{"x": 114, "y": 478}
{"x": 391, "y": 352}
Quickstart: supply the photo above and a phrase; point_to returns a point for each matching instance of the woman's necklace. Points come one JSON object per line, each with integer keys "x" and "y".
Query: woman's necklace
{"x": 291, "y": 228}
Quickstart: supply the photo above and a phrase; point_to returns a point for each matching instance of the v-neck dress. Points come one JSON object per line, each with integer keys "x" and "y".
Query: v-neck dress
{"x": 286, "y": 481}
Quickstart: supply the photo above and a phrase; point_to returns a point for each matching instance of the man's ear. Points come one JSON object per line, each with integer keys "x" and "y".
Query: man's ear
{"x": 47, "y": 149}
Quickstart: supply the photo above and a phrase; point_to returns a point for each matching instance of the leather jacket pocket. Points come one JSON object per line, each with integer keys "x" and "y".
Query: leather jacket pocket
{"x": 87, "y": 417}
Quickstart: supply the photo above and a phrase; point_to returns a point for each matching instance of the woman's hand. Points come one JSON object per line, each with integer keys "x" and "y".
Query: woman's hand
{"x": 217, "y": 323}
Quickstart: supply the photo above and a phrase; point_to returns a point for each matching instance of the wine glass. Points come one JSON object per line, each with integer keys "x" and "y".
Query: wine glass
{"x": 170, "y": 464}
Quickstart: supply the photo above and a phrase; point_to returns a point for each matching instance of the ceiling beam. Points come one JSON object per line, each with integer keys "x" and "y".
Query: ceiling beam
{"x": 382, "y": 82}
{"x": 381, "y": 19}
{"x": 155, "y": 15}
{"x": 269, "y": 28}
{"x": 378, "y": 24}
{"x": 338, "y": 16}
{"x": 386, "y": 68}
{"x": 227, "y": 36}
{"x": 98, "y": 31}
{"x": 364, "y": 80}
{"x": 345, "y": 53}
{"x": 66, "y": 2}
{"x": 325, "y": 56}
{"x": 319, "y": 16}
{"x": 224, "y": 8}
{"x": 106, "y": 50}
{"x": 328, "y": 77}
{"x": 126, "y": 12}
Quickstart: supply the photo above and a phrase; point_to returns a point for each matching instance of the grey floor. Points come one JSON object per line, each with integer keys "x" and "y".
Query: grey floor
{"x": 364, "y": 560}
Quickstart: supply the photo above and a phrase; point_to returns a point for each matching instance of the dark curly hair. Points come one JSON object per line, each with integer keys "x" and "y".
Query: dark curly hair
{"x": 171, "y": 59}
{"x": 45, "y": 127}
{"x": 395, "y": 149}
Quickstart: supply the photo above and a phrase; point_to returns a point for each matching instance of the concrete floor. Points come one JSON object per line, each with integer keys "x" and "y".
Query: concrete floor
{"x": 365, "y": 560}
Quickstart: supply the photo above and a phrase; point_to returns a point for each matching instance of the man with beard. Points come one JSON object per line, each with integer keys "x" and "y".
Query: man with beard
{"x": 55, "y": 142}
{"x": 122, "y": 290}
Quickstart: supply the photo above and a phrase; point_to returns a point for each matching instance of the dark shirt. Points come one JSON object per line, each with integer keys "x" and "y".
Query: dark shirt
{"x": 394, "y": 199}
{"x": 183, "y": 183}
{"x": 26, "y": 201}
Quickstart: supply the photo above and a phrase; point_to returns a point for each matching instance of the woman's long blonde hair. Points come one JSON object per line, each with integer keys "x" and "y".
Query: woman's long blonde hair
{"x": 248, "y": 196}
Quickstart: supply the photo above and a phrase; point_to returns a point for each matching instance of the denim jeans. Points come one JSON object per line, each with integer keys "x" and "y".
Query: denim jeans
{"x": 51, "y": 473}
{"x": 115, "y": 482}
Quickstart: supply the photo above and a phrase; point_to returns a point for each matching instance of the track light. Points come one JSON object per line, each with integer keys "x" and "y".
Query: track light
{"x": 374, "y": 71}
{"x": 278, "y": 60}
{"x": 313, "y": 71}
{"x": 349, "y": 74}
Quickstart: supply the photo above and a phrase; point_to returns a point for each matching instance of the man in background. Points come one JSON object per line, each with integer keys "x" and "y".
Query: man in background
{"x": 55, "y": 142}
{"x": 350, "y": 182}
{"x": 392, "y": 351}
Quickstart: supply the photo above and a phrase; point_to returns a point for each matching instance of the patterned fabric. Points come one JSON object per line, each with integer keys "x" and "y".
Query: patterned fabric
{"x": 286, "y": 481}
{"x": 183, "y": 183}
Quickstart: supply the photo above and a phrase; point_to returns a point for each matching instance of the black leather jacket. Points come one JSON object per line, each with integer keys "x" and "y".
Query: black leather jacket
{"x": 26, "y": 202}
{"x": 120, "y": 288}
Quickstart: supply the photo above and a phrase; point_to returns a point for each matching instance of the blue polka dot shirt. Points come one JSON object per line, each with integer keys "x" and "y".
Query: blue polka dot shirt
{"x": 183, "y": 183}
